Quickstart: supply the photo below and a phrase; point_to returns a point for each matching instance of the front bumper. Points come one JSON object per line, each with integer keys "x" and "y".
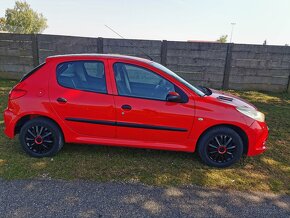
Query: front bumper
{"x": 257, "y": 137}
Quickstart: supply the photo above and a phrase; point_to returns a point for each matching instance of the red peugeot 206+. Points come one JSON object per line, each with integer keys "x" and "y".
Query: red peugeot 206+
{"x": 129, "y": 101}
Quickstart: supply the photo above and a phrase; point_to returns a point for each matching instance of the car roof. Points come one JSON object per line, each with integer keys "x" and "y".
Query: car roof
{"x": 110, "y": 56}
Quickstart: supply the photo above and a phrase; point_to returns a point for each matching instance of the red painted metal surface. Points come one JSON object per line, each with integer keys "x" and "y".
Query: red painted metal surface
{"x": 98, "y": 118}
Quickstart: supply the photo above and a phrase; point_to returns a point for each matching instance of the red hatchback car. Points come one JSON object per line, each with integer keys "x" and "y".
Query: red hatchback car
{"x": 129, "y": 101}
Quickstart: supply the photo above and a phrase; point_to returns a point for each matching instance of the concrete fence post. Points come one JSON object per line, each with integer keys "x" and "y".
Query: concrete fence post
{"x": 288, "y": 86}
{"x": 35, "y": 49}
{"x": 163, "y": 53}
{"x": 100, "y": 45}
{"x": 228, "y": 66}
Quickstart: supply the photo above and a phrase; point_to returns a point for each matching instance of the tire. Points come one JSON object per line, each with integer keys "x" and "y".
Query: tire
{"x": 41, "y": 137}
{"x": 220, "y": 147}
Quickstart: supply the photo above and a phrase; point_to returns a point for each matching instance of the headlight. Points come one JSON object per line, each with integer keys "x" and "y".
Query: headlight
{"x": 254, "y": 114}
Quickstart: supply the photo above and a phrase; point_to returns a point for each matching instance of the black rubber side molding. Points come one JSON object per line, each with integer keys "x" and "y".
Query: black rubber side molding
{"x": 101, "y": 122}
{"x": 124, "y": 124}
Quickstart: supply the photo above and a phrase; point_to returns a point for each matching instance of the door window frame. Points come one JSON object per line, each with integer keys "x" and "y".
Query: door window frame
{"x": 84, "y": 90}
{"x": 147, "y": 69}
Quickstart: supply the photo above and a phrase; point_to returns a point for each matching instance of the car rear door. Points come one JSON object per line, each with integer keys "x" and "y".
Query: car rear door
{"x": 81, "y": 96}
{"x": 143, "y": 114}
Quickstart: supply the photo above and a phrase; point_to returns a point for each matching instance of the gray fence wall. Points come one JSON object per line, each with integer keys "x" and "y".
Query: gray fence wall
{"x": 217, "y": 65}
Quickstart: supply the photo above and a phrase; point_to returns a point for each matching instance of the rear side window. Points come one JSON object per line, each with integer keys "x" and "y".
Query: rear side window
{"x": 82, "y": 75}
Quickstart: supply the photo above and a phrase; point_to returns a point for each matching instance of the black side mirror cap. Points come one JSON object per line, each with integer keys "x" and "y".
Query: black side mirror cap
{"x": 173, "y": 97}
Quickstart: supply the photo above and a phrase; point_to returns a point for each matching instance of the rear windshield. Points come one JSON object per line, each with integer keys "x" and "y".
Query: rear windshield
{"x": 32, "y": 72}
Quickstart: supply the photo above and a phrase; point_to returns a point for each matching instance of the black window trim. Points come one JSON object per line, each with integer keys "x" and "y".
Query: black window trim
{"x": 84, "y": 90}
{"x": 130, "y": 96}
{"x": 32, "y": 71}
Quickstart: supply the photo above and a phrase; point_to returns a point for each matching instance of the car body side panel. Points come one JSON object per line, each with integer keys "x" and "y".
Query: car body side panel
{"x": 211, "y": 113}
{"x": 34, "y": 103}
{"x": 153, "y": 120}
{"x": 196, "y": 116}
{"x": 86, "y": 113}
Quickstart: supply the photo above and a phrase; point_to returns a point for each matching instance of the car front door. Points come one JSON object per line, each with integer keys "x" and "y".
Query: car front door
{"x": 80, "y": 95}
{"x": 143, "y": 114}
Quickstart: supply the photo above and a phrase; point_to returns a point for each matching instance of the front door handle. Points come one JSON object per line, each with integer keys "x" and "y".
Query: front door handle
{"x": 126, "y": 107}
{"x": 61, "y": 100}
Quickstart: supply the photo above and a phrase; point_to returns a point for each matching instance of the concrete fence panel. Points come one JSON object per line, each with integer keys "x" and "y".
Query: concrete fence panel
{"x": 199, "y": 63}
{"x": 16, "y": 55}
{"x": 217, "y": 65}
{"x": 260, "y": 67}
{"x": 55, "y": 45}
{"x": 133, "y": 48}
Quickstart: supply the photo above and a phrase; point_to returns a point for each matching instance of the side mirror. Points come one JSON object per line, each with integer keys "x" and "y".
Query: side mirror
{"x": 173, "y": 97}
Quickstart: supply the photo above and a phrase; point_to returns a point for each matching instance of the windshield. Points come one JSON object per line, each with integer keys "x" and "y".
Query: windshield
{"x": 180, "y": 79}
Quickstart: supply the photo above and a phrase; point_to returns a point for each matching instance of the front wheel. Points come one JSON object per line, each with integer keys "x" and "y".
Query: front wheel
{"x": 41, "y": 137}
{"x": 220, "y": 147}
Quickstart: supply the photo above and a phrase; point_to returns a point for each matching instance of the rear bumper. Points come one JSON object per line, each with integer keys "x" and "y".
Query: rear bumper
{"x": 9, "y": 122}
{"x": 257, "y": 136}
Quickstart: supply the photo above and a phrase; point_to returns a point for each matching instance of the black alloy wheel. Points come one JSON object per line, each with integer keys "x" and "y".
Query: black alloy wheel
{"x": 41, "y": 137}
{"x": 220, "y": 147}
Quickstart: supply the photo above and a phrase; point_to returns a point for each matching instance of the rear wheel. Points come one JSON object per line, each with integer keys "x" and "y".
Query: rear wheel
{"x": 41, "y": 137}
{"x": 220, "y": 147}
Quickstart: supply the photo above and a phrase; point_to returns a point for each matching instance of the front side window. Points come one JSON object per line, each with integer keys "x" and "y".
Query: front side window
{"x": 171, "y": 73}
{"x": 82, "y": 75}
{"x": 139, "y": 82}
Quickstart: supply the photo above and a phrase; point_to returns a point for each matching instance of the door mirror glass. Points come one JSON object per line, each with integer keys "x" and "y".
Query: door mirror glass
{"x": 173, "y": 97}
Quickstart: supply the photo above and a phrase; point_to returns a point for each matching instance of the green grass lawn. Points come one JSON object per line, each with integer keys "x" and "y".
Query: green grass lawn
{"x": 267, "y": 172}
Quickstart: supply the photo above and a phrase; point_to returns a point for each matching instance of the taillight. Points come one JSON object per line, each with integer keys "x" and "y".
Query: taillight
{"x": 16, "y": 93}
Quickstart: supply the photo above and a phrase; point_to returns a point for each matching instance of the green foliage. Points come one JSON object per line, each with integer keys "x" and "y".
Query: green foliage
{"x": 23, "y": 19}
{"x": 2, "y": 23}
{"x": 223, "y": 39}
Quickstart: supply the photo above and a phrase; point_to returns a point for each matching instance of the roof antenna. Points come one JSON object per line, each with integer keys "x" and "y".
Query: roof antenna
{"x": 130, "y": 43}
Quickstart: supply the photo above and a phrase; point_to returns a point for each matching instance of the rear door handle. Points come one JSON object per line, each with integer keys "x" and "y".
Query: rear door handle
{"x": 126, "y": 107}
{"x": 61, "y": 100}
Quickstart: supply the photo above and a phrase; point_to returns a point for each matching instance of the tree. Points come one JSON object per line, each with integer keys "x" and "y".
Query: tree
{"x": 2, "y": 23}
{"x": 223, "y": 39}
{"x": 23, "y": 19}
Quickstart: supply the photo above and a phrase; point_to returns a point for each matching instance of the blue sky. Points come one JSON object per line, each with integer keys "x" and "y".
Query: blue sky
{"x": 256, "y": 20}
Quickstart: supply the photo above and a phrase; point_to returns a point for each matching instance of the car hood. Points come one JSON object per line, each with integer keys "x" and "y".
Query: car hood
{"x": 230, "y": 99}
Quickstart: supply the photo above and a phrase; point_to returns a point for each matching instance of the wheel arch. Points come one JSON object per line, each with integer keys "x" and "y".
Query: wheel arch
{"x": 237, "y": 129}
{"x": 28, "y": 117}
